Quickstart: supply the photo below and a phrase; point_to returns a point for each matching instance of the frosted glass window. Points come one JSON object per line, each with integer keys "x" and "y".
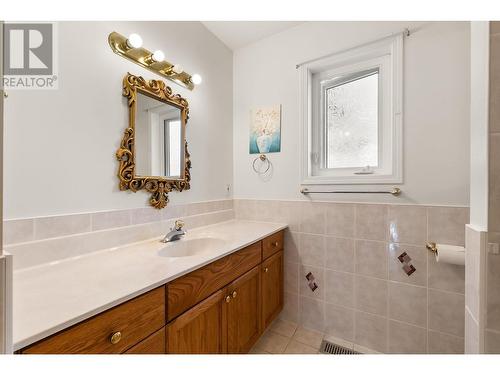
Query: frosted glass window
{"x": 351, "y": 119}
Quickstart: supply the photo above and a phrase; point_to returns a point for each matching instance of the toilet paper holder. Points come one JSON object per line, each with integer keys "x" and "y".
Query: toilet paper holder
{"x": 432, "y": 246}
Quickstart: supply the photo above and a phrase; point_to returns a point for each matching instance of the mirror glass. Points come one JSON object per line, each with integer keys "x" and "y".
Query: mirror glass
{"x": 158, "y": 138}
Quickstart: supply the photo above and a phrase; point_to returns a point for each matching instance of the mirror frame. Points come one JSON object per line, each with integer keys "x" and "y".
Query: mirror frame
{"x": 158, "y": 186}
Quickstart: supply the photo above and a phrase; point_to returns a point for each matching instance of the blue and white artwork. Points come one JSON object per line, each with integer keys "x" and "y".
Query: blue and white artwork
{"x": 265, "y": 129}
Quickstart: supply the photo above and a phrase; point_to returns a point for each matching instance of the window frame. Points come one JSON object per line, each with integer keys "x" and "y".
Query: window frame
{"x": 385, "y": 55}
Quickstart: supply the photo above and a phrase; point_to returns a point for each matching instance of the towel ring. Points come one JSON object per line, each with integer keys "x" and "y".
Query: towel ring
{"x": 263, "y": 158}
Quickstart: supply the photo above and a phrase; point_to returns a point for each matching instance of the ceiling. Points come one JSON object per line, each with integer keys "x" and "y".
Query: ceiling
{"x": 237, "y": 34}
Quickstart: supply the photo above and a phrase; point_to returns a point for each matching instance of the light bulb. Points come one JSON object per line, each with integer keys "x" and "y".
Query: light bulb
{"x": 134, "y": 41}
{"x": 196, "y": 79}
{"x": 158, "y": 56}
{"x": 177, "y": 69}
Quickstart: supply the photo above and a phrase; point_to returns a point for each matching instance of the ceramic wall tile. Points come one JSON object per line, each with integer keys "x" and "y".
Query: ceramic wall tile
{"x": 371, "y": 258}
{"x": 492, "y": 339}
{"x": 290, "y": 310}
{"x": 407, "y": 339}
{"x": 339, "y": 288}
{"x": 312, "y": 313}
{"x": 371, "y": 222}
{"x": 442, "y": 343}
{"x": 370, "y": 331}
{"x": 319, "y": 278}
{"x": 16, "y": 231}
{"x": 312, "y": 218}
{"x": 370, "y": 295}
{"x": 145, "y": 215}
{"x": 408, "y": 303}
{"x": 446, "y": 225}
{"x": 447, "y": 312}
{"x": 291, "y": 277}
{"x": 339, "y": 322}
{"x": 449, "y": 277}
{"x": 418, "y": 256}
{"x": 57, "y": 226}
{"x": 340, "y": 254}
{"x": 291, "y": 246}
{"x": 408, "y": 224}
{"x": 472, "y": 335}
{"x": 111, "y": 219}
{"x": 312, "y": 250}
{"x": 340, "y": 219}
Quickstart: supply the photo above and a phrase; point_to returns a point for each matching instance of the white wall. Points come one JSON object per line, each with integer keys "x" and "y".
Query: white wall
{"x": 436, "y": 107}
{"x": 60, "y": 145}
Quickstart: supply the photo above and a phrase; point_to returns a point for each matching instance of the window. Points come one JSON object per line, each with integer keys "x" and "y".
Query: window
{"x": 351, "y": 116}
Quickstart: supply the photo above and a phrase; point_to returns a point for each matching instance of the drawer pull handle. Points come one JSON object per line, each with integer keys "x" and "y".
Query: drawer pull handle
{"x": 228, "y": 299}
{"x": 234, "y": 294}
{"x": 266, "y": 270}
{"x": 115, "y": 337}
{"x": 275, "y": 244}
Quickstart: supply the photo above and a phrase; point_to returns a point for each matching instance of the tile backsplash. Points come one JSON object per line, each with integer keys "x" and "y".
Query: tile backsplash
{"x": 38, "y": 240}
{"x": 364, "y": 295}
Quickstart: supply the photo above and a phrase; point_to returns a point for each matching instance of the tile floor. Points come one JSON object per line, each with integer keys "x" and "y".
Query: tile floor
{"x": 284, "y": 337}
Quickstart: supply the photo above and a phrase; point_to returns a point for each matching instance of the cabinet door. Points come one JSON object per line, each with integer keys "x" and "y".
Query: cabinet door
{"x": 154, "y": 344}
{"x": 199, "y": 330}
{"x": 243, "y": 312}
{"x": 272, "y": 288}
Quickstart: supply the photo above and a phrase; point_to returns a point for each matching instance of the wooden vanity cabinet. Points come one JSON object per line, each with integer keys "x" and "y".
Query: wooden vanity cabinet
{"x": 154, "y": 344}
{"x": 222, "y": 307}
{"x": 243, "y": 317}
{"x": 200, "y": 330}
{"x": 272, "y": 288}
{"x": 111, "y": 332}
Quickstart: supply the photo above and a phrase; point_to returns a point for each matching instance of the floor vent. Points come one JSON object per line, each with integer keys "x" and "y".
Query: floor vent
{"x": 328, "y": 347}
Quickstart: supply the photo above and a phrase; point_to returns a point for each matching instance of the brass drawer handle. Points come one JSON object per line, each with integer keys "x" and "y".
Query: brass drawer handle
{"x": 234, "y": 294}
{"x": 228, "y": 299}
{"x": 275, "y": 244}
{"x": 115, "y": 337}
{"x": 266, "y": 270}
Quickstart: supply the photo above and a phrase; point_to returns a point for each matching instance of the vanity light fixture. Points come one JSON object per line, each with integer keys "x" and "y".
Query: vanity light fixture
{"x": 196, "y": 79}
{"x": 158, "y": 56}
{"x": 131, "y": 49}
{"x": 134, "y": 41}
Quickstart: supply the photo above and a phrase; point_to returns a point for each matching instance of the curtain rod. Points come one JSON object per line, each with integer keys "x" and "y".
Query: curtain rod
{"x": 406, "y": 32}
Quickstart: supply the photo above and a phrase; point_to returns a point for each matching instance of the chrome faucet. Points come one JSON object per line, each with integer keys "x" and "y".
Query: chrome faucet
{"x": 175, "y": 233}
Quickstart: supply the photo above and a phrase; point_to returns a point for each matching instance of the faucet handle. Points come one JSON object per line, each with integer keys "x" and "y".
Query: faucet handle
{"x": 178, "y": 224}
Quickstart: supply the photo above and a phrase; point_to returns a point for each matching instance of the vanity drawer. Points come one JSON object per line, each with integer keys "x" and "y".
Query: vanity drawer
{"x": 190, "y": 289}
{"x": 272, "y": 244}
{"x": 134, "y": 320}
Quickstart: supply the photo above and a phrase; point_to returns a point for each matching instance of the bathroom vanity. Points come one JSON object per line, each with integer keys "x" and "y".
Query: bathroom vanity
{"x": 216, "y": 291}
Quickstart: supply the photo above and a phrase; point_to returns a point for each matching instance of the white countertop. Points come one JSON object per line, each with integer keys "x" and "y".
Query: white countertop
{"x": 57, "y": 295}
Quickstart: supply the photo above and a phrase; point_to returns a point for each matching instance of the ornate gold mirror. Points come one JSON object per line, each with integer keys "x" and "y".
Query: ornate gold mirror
{"x": 153, "y": 153}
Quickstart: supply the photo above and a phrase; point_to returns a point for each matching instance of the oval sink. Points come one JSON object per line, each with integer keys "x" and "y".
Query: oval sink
{"x": 191, "y": 247}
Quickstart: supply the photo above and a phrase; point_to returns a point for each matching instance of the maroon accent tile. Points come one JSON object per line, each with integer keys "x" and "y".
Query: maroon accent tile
{"x": 409, "y": 269}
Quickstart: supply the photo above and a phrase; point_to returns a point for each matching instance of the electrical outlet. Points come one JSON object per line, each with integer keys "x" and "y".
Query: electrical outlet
{"x": 493, "y": 248}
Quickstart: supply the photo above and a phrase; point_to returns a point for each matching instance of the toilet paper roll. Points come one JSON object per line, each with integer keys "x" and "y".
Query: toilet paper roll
{"x": 450, "y": 254}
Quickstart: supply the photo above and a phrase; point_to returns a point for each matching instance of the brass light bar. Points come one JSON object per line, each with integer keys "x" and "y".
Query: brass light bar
{"x": 143, "y": 57}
